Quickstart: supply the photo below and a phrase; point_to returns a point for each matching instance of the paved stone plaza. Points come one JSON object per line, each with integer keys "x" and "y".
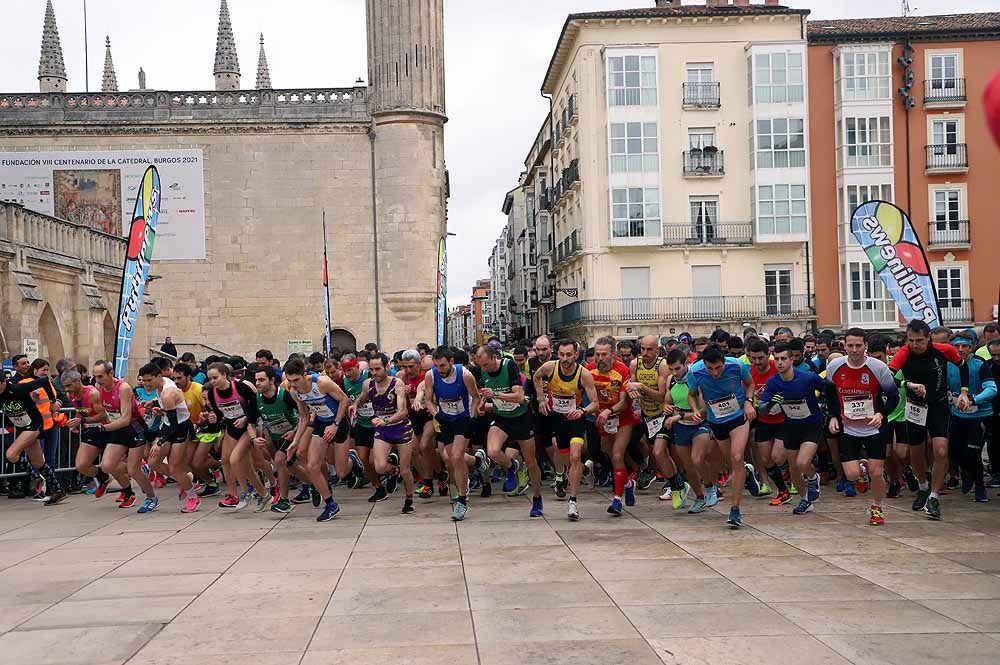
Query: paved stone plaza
{"x": 84, "y": 583}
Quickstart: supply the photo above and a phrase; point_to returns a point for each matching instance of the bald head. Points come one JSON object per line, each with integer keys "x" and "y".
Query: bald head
{"x": 543, "y": 348}
{"x": 649, "y": 348}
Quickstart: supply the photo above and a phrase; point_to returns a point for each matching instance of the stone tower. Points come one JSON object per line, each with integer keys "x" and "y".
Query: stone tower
{"x": 51, "y": 68}
{"x": 406, "y": 98}
{"x": 227, "y": 64}
{"x": 109, "y": 82}
{"x": 263, "y": 74}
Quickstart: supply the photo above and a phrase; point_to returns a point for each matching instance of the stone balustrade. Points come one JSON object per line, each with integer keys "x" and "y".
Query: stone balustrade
{"x": 303, "y": 104}
{"x": 23, "y": 228}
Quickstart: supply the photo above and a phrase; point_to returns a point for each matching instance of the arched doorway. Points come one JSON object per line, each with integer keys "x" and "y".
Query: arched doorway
{"x": 50, "y": 337}
{"x": 110, "y": 337}
{"x": 343, "y": 340}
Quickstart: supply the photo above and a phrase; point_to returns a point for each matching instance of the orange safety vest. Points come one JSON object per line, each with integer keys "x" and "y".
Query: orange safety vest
{"x": 44, "y": 405}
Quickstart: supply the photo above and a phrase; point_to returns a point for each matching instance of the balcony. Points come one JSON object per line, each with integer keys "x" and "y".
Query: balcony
{"x": 571, "y": 175}
{"x": 947, "y": 158}
{"x": 571, "y": 113}
{"x": 569, "y": 247}
{"x": 944, "y": 93}
{"x": 701, "y": 95}
{"x": 717, "y": 309}
{"x": 948, "y": 234}
{"x": 956, "y": 311}
{"x": 708, "y": 233}
{"x": 703, "y": 163}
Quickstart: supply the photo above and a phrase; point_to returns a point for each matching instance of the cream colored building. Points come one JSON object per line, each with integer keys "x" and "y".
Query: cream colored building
{"x": 679, "y": 194}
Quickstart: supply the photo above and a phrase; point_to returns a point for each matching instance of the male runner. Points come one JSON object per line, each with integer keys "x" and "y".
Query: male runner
{"x": 767, "y": 426}
{"x": 692, "y": 437}
{"x": 724, "y": 386}
{"x": 202, "y": 464}
{"x": 362, "y": 438}
{"x": 285, "y": 419}
{"x": 861, "y": 392}
{"x": 89, "y": 412}
{"x": 19, "y": 408}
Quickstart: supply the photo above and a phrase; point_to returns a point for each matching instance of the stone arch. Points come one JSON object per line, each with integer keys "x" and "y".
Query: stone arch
{"x": 110, "y": 338}
{"x": 343, "y": 339}
{"x": 49, "y": 335}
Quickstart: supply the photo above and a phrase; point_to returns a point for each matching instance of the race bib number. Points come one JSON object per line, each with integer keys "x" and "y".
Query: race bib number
{"x": 233, "y": 411}
{"x": 150, "y": 418}
{"x": 366, "y": 410}
{"x": 322, "y": 411}
{"x": 563, "y": 404}
{"x": 654, "y": 425}
{"x": 611, "y": 425}
{"x": 859, "y": 408}
{"x": 114, "y": 415}
{"x": 723, "y": 408}
{"x": 279, "y": 427}
{"x": 796, "y": 410}
{"x": 916, "y": 413}
{"x": 21, "y": 420}
{"x": 452, "y": 407}
{"x": 501, "y": 405}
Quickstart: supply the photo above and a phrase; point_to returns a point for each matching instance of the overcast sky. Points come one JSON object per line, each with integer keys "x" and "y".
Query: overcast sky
{"x": 496, "y": 54}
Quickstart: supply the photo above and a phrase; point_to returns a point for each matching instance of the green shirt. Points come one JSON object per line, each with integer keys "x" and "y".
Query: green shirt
{"x": 504, "y": 381}
{"x": 984, "y": 352}
{"x": 898, "y": 414}
{"x": 679, "y": 394}
{"x": 280, "y": 414}
{"x": 353, "y": 391}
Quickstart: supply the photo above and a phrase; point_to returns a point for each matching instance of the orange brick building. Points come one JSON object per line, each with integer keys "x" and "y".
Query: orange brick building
{"x": 896, "y": 114}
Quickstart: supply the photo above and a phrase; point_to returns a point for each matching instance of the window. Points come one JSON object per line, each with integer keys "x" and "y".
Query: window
{"x": 635, "y": 212}
{"x": 632, "y": 80}
{"x": 777, "y": 290}
{"x": 867, "y": 142}
{"x": 947, "y": 210}
{"x": 701, "y": 137}
{"x": 867, "y": 76}
{"x": 944, "y": 71}
{"x": 700, "y": 72}
{"x": 778, "y": 78}
{"x": 781, "y": 209}
{"x": 858, "y": 194}
{"x": 944, "y": 136}
{"x": 634, "y": 148}
{"x": 868, "y": 302}
{"x": 704, "y": 217}
{"x": 780, "y": 143}
{"x": 949, "y": 290}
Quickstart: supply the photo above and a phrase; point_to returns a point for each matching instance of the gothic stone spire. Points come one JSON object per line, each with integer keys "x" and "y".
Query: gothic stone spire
{"x": 51, "y": 68}
{"x": 263, "y": 75}
{"x": 227, "y": 64}
{"x": 110, "y": 82}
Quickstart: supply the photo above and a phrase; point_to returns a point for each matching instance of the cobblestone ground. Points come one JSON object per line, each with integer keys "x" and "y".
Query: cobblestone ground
{"x": 87, "y": 583}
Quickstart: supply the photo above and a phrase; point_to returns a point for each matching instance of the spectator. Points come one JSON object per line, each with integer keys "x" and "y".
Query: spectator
{"x": 168, "y": 347}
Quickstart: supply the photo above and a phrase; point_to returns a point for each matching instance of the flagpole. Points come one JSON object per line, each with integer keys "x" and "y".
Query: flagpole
{"x": 86, "y": 51}
{"x": 326, "y": 286}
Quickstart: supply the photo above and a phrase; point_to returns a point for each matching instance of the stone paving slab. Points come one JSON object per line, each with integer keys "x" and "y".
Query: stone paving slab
{"x": 86, "y": 582}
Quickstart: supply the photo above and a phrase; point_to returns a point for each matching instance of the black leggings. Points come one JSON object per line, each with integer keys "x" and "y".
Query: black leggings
{"x": 993, "y": 443}
{"x": 966, "y": 446}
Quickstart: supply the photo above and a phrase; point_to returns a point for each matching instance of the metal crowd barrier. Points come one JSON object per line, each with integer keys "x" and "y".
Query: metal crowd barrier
{"x": 69, "y": 443}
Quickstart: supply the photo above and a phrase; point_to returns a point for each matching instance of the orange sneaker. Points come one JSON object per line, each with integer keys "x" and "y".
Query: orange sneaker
{"x": 781, "y": 499}
{"x": 875, "y": 516}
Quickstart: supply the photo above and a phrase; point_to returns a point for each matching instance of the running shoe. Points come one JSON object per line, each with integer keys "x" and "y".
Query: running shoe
{"x": 120, "y": 497}
{"x": 911, "y": 480}
{"x": 303, "y": 495}
{"x": 391, "y": 483}
{"x": 263, "y": 503}
{"x": 55, "y": 497}
{"x": 849, "y": 489}
{"x": 211, "y": 489}
{"x": 426, "y": 489}
{"x": 333, "y": 480}
{"x": 536, "y": 507}
{"x": 608, "y": 481}
{"x": 394, "y": 460}
{"x": 39, "y": 494}
{"x": 483, "y": 464}
{"x": 128, "y": 501}
{"x": 357, "y": 466}
{"x": 875, "y": 516}
{"x": 993, "y": 482}
{"x": 781, "y": 499}
{"x": 893, "y": 489}
{"x": 244, "y": 501}
{"x": 149, "y": 505}
{"x": 735, "y": 518}
{"x": 192, "y": 503}
{"x": 329, "y": 511}
{"x": 511, "y": 482}
{"x": 282, "y": 505}
{"x": 792, "y": 489}
{"x": 523, "y": 481}
{"x": 981, "y": 495}
{"x": 442, "y": 487}
{"x": 486, "y": 491}
{"x": 698, "y": 506}
{"x": 560, "y": 485}
{"x": 953, "y": 482}
{"x": 812, "y": 488}
{"x": 407, "y": 506}
{"x": 379, "y": 495}
{"x": 841, "y": 485}
{"x": 498, "y": 473}
{"x": 630, "y": 493}
{"x": 615, "y": 508}
{"x": 752, "y": 484}
{"x": 357, "y": 482}
{"x": 458, "y": 511}
{"x": 588, "y": 473}
{"x": 229, "y": 502}
{"x": 313, "y": 494}
{"x": 678, "y": 498}
{"x": 920, "y": 500}
{"x": 666, "y": 493}
{"x": 572, "y": 512}
{"x": 933, "y": 508}
{"x": 967, "y": 485}
{"x": 101, "y": 488}
{"x": 864, "y": 480}
{"x": 275, "y": 493}
{"x": 765, "y": 491}
{"x": 646, "y": 478}
{"x": 92, "y": 490}
{"x": 805, "y": 505}
{"x": 724, "y": 479}
{"x": 711, "y": 497}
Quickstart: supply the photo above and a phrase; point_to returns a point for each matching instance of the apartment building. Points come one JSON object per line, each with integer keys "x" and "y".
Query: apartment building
{"x": 679, "y": 197}
{"x": 898, "y": 101}
{"x": 460, "y": 329}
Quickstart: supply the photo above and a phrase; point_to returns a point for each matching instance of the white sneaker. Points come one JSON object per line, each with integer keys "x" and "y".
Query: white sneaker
{"x": 591, "y": 481}
{"x": 242, "y": 503}
{"x": 668, "y": 494}
{"x": 571, "y": 511}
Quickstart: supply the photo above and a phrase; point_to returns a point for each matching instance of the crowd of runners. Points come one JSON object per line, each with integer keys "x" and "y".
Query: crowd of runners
{"x": 774, "y": 417}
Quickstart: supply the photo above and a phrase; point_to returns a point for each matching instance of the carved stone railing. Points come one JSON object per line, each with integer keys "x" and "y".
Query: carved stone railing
{"x": 23, "y": 228}
{"x": 302, "y": 104}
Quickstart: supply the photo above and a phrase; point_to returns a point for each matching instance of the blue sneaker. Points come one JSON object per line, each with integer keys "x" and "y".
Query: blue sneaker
{"x": 357, "y": 467}
{"x": 497, "y": 474}
{"x": 967, "y": 485}
{"x": 148, "y": 506}
{"x": 511, "y": 482}
{"x": 735, "y": 519}
{"x": 329, "y": 512}
{"x": 752, "y": 484}
{"x": 697, "y": 507}
{"x": 458, "y": 511}
{"x": 812, "y": 491}
{"x": 630, "y": 493}
{"x": 303, "y": 496}
{"x": 841, "y": 484}
{"x": 805, "y": 505}
{"x": 981, "y": 495}
{"x": 850, "y": 489}
{"x": 536, "y": 507}
{"x": 711, "y": 497}
{"x": 615, "y": 508}
{"x": 90, "y": 491}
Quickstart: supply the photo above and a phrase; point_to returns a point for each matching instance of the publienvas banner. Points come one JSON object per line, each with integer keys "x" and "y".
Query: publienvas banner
{"x": 96, "y": 189}
{"x": 887, "y": 236}
{"x": 138, "y": 256}
{"x": 442, "y": 290}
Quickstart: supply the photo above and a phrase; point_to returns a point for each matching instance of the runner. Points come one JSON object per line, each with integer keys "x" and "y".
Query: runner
{"x": 285, "y": 419}
{"x": 560, "y": 387}
{"x": 362, "y": 437}
{"x": 201, "y": 462}
{"x": 724, "y": 386}
{"x": 861, "y": 392}
{"x": 172, "y": 440}
{"x": 973, "y": 390}
{"x": 425, "y": 455}
{"x": 328, "y": 405}
{"x": 18, "y": 406}
{"x": 766, "y": 427}
{"x": 393, "y": 431}
{"x": 692, "y": 437}
{"x": 86, "y": 400}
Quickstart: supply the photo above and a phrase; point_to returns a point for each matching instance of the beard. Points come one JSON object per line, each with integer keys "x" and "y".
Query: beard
{"x": 605, "y": 365}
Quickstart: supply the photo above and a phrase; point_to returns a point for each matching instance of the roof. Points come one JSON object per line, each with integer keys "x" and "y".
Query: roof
{"x": 983, "y": 25}
{"x": 570, "y": 27}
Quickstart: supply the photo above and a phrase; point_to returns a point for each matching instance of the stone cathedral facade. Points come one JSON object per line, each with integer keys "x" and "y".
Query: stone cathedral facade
{"x": 371, "y": 155}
